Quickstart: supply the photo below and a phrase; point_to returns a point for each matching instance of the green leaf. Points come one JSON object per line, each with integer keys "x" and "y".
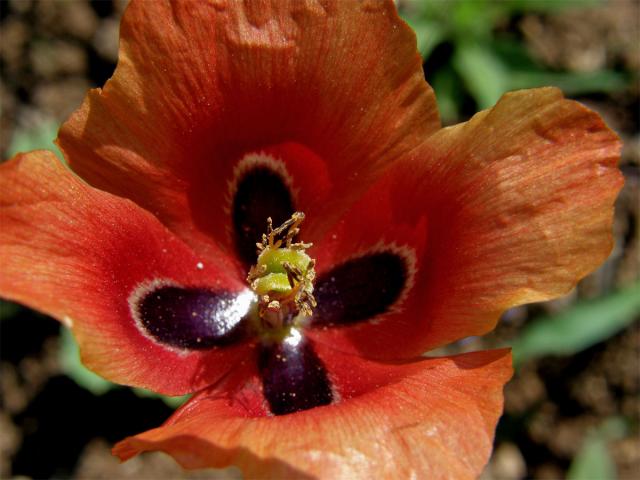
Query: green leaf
{"x": 579, "y": 327}
{"x": 593, "y": 461}
{"x": 39, "y": 137}
{"x": 8, "y": 309}
{"x": 514, "y": 55}
{"x": 429, "y": 34}
{"x": 473, "y": 19}
{"x": 69, "y": 356}
{"x": 173, "y": 402}
{"x": 522, "y": 6}
{"x": 483, "y": 73}
{"x": 571, "y": 83}
{"x": 448, "y": 92}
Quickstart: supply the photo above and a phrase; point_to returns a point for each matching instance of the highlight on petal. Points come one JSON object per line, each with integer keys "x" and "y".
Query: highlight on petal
{"x": 433, "y": 418}
{"x": 193, "y": 318}
{"x": 514, "y": 206}
{"x": 293, "y": 377}
{"x": 335, "y": 87}
{"x": 91, "y": 260}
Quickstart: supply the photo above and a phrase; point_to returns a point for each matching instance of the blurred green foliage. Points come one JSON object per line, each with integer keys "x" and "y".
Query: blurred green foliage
{"x": 594, "y": 461}
{"x": 485, "y": 64}
{"x": 579, "y": 327}
{"x": 37, "y": 137}
{"x": 8, "y": 309}
{"x": 69, "y": 357}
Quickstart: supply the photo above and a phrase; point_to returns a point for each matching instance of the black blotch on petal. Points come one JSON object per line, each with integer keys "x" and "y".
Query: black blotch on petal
{"x": 293, "y": 377}
{"x": 261, "y": 193}
{"x": 359, "y": 289}
{"x": 194, "y": 318}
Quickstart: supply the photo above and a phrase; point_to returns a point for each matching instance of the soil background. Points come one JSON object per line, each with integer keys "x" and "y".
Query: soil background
{"x": 52, "y": 51}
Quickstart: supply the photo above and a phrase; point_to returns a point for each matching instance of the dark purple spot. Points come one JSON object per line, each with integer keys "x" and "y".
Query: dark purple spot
{"x": 359, "y": 289}
{"x": 293, "y": 377}
{"x": 261, "y": 193}
{"x": 194, "y": 318}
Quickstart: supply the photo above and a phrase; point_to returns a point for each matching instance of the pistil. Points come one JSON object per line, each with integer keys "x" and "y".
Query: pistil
{"x": 283, "y": 278}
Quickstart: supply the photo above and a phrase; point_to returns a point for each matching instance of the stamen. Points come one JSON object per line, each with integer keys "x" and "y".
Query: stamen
{"x": 283, "y": 276}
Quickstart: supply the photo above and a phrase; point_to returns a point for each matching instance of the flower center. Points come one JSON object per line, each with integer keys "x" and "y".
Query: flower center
{"x": 283, "y": 280}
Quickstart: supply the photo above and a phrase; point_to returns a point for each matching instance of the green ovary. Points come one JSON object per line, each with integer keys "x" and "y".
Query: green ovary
{"x": 272, "y": 283}
{"x": 274, "y": 259}
{"x": 282, "y": 278}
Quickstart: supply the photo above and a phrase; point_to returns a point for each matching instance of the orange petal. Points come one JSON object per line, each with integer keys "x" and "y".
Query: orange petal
{"x": 200, "y": 84}
{"x": 514, "y": 206}
{"x": 78, "y": 254}
{"x": 434, "y": 418}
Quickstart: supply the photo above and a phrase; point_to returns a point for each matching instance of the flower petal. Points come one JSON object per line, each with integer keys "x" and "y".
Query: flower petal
{"x": 82, "y": 256}
{"x": 293, "y": 377}
{"x": 514, "y": 206}
{"x": 360, "y": 289}
{"x": 200, "y": 85}
{"x": 434, "y": 418}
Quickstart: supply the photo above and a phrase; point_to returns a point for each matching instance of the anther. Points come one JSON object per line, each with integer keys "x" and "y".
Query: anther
{"x": 283, "y": 275}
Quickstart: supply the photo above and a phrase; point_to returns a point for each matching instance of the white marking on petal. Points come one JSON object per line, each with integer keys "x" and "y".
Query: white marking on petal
{"x": 408, "y": 255}
{"x": 137, "y": 295}
{"x": 250, "y": 162}
{"x": 232, "y": 310}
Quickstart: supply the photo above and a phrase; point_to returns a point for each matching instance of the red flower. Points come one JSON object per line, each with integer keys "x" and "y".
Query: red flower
{"x": 222, "y": 114}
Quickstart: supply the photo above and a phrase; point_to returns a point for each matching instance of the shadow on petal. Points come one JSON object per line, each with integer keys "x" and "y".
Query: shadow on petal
{"x": 190, "y": 451}
{"x": 432, "y": 418}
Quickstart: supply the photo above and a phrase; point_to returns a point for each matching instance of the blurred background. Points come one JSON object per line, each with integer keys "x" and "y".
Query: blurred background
{"x": 573, "y": 407}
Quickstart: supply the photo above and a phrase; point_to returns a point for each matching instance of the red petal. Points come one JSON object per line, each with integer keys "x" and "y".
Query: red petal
{"x": 77, "y": 254}
{"x": 514, "y": 206}
{"x": 434, "y": 418}
{"x": 200, "y": 84}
